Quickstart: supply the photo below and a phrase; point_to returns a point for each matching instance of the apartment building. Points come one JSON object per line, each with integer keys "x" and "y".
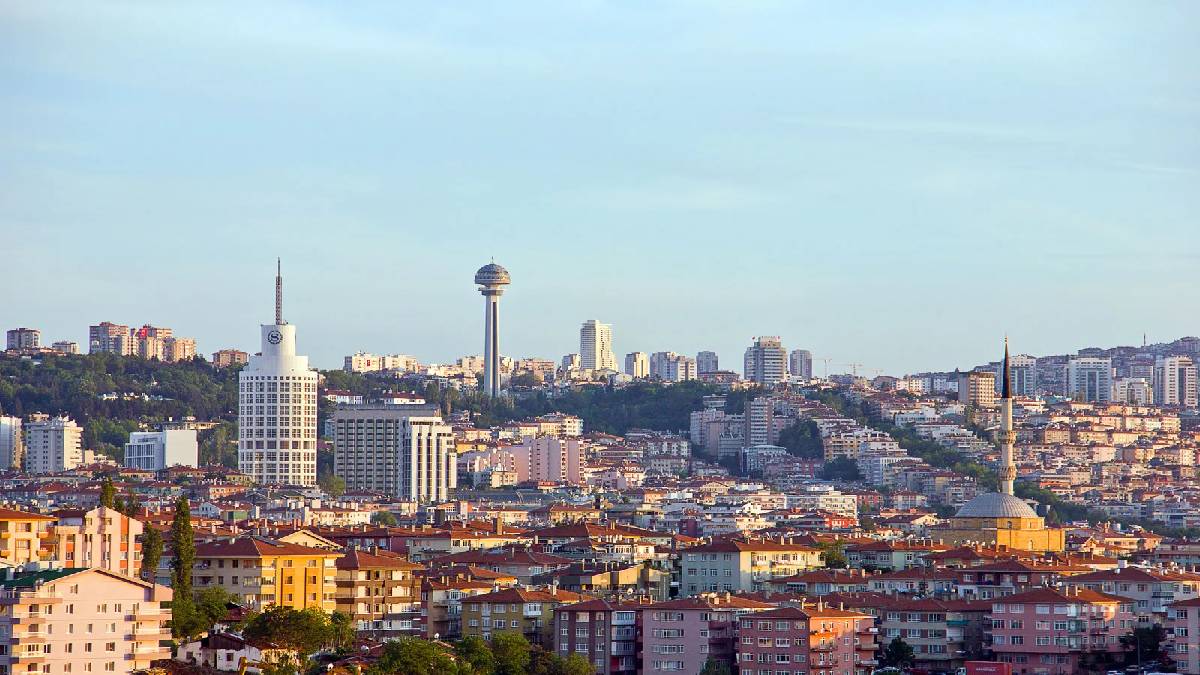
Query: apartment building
{"x": 672, "y": 367}
{"x": 603, "y": 632}
{"x": 1183, "y": 627}
{"x": 517, "y": 610}
{"x": 65, "y": 347}
{"x": 1050, "y": 631}
{"x": 1090, "y": 379}
{"x": 263, "y": 572}
{"x": 813, "y": 639}
{"x": 229, "y": 357}
{"x": 544, "y": 458}
{"x": 942, "y": 633}
{"x": 101, "y": 537}
{"x": 157, "y": 450}
{"x": 379, "y": 591}
{"x": 742, "y": 565}
{"x": 12, "y": 443}
{"x": 23, "y": 536}
{"x": 681, "y": 635}
{"x": 52, "y": 444}
{"x": 1175, "y": 381}
{"x": 110, "y": 338}
{"x": 60, "y": 621}
{"x": 977, "y": 388}
{"x": 395, "y": 450}
{"x": 766, "y": 361}
{"x": 595, "y": 346}
{"x": 24, "y": 338}
{"x": 1151, "y": 591}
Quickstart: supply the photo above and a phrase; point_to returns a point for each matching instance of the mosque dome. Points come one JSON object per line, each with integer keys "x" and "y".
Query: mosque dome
{"x": 996, "y": 505}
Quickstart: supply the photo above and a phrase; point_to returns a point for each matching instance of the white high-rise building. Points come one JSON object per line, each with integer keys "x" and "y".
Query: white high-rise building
{"x": 1090, "y": 379}
{"x": 595, "y": 346}
{"x": 52, "y": 444}
{"x": 766, "y": 361}
{"x": 403, "y": 452}
{"x": 1175, "y": 381}
{"x": 800, "y": 362}
{"x": 707, "y": 362}
{"x": 1133, "y": 390}
{"x": 637, "y": 364}
{"x": 158, "y": 450}
{"x": 491, "y": 279}
{"x": 672, "y": 367}
{"x": 12, "y": 447}
{"x": 277, "y": 408}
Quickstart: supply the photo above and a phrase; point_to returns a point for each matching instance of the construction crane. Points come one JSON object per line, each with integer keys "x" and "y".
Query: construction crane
{"x": 853, "y": 367}
{"x": 826, "y": 360}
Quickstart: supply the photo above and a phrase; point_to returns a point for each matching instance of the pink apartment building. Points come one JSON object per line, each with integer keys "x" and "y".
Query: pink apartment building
{"x": 813, "y": 640}
{"x": 1050, "y": 632}
{"x": 1183, "y": 625}
{"x": 681, "y": 635}
{"x": 79, "y": 621}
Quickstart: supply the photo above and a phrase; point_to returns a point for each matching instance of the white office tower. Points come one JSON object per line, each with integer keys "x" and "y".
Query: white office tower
{"x": 1090, "y": 379}
{"x": 1023, "y": 375}
{"x": 595, "y": 346}
{"x": 800, "y": 362}
{"x": 158, "y": 450}
{"x": 12, "y": 448}
{"x": 1133, "y": 390}
{"x": 392, "y": 451}
{"x": 277, "y": 408}
{"x": 1175, "y": 381}
{"x": 637, "y": 364}
{"x": 766, "y": 361}
{"x": 52, "y": 444}
{"x": 491, "y": 279}
{"x": 706, "y": 362}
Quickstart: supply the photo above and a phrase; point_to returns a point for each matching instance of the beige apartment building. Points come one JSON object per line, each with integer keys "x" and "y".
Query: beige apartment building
{"x": 101, "y": 537}
{"x": 740, "y": 565}
{"x": 77, "y": 621}
{"x": 23, "y": 536}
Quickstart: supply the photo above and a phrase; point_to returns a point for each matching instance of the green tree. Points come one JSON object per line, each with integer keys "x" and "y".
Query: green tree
{"x": 212, "y": 606}
{"x": 512, "y": 653}
{"x": 108, "y": 493}
{"x": 185, "y": 621}
{"x": 334, "y": 486}
{"x": 1145, "y": 644}
{"x": 474, "y": 656}
{"x": 303, "y": 631}
{"x": 840, "y": 468}
{"x": 341, "y": 633}
{"x": 803, "y": 439}
{"x": 833, "y": 554}
{"x": 152, "y": 550}
{"x": 414, "y": 656}
{"x": 897, "y": 653}
{"x": 574, "y": 664}
{"x": 715, "y": 667}
{"x": 384, "y": 518}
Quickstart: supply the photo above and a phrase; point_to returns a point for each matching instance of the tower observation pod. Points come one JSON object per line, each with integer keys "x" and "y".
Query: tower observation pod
{"x": 491, "y": 279}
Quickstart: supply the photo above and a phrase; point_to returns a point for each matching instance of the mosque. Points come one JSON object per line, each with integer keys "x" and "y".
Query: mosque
{"x": 999, "y": 518}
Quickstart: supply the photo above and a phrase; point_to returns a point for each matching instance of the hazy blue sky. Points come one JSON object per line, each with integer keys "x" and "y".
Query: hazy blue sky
{"x": 891, "y": 183}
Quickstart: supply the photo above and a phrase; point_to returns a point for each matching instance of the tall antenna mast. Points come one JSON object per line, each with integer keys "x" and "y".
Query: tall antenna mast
{"x": 278, "y": 292}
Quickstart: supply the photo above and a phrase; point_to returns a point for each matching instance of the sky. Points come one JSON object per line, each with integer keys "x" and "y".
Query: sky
{"x": 892, "y": 184}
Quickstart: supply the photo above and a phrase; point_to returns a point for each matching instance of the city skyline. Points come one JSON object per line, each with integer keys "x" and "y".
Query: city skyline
{"x": 731, "y": 361}
{"x": 891, "y": 174}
